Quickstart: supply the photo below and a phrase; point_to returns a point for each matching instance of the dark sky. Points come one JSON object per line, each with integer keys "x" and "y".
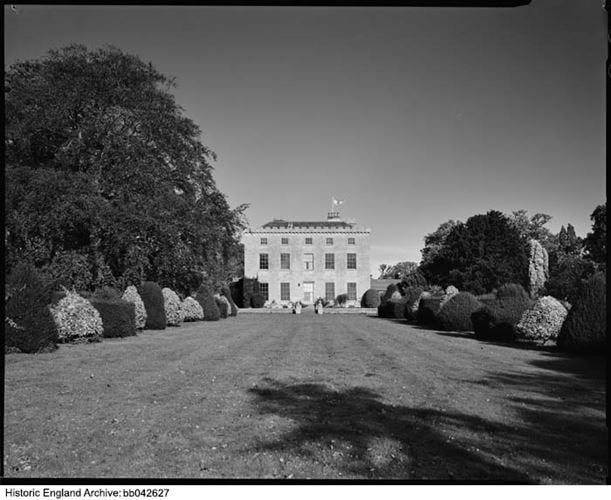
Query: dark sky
{"x": 413, "y": 116}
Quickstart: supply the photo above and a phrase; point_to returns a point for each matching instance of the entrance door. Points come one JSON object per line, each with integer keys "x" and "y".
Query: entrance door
{"x": 308, "y": 292}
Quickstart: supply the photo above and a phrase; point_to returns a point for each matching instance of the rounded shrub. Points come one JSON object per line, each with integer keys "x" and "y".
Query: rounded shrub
{"x": 131, "y": 295}
{"x": 341, "y": 299}
{"x": 28, "y": 323}
{"x": 428, "y": 308}
{"x": 391, "y": 291}
{"x": 543, "y": 321}
{"x": 498, "y": 319}
{"x": 455, "y": 314}
{"x": 76, "y": 319}
{"x": 585, "y": 329}
{"x": 449, "y": 293}
{"x": 206, "y": 300}
{"x": 257, "y": 301}
{"x": 412, "y": 295}
{"x": 226, "y": 292}
{"x": 151, "y": 295}
{"x": 118, "y": 317}
{"x": 371, "y": 298}
{"x": 223, "y": 304}
{"x": 192, "y": 310}
{"x": 171, "y": 304}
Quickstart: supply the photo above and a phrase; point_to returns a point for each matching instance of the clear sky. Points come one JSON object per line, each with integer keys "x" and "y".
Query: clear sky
{"x": 413, "y": 116}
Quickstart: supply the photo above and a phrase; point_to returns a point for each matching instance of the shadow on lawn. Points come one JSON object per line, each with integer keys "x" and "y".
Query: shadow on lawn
{"x": 353, "y": 431}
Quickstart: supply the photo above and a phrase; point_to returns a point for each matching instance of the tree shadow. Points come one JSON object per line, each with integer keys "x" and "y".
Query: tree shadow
{"x": 354, "y": 432}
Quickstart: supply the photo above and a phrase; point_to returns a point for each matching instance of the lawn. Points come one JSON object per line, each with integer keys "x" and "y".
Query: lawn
{"x": 286, "y": 396}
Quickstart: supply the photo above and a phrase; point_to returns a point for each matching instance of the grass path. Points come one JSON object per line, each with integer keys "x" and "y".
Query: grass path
{"x": 284, "y": 396}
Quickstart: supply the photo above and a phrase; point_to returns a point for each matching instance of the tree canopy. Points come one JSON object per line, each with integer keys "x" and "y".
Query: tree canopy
{"x": 596, "y": 241}
{"x": 102, "y": 163}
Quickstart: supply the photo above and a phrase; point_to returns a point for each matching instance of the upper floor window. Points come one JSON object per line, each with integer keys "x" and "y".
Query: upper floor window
{"x": 308, "y": 241}
{"x": 329, "y": 261}
{"x": 263, "y": 261}
{"x": 351, "y": 241}
{"x": 285, "y": 241}
{"x": 308, "y": 261}
{"x": 351, "y": 260}
{"x": 285, "y": 261}
{"x": 263, "y": 241}
{"x": 329, "y": 241}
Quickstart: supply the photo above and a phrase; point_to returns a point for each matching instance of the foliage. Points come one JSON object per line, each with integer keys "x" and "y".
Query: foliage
{"x": 533, "y": 228}
{"x": 76, "y": 319}
{"x": 69, "y": 269}
{"x": 538, "y": 267}
{"x": 101, "y": 161}
{"x": 450, "y": 291}
{"x": 341, "y": 299}
{"x": 152, "y": 297}
{"x": 399, "y": 270}
{"x": 568, "y": 242}
{"x": 596, "y": 241}
{"x": 28, "y": 323}
{"x": 480, "y": 255}
{"x": 107, "y": 293}
{"x": 567, "y": 277}
{"x": 585, "y": 329}
{"x": 131, "y": 295}
{"x": 391, "y": 290}
{"x": 206, "y": 300}
{"x": 498, "y": 320}
{"x": 192, "y": 310}
{"x": 243, "y": 290}
{"x": 257, "y": 301}
{"x": 371, "y": 298}
{"x": 225, "y": 292}
{"x": 455, "y": 314}
{"x": 173, "y": 311}
{"x": 223, "y": 304}
{"x": 434, "y": 242}
{"x": 413, "y": 279}
{"x": 543, "y": 321}
{"x": 428, "y": 308}
{"x": 411, "y": 298}
{"x": 118, "y": 316}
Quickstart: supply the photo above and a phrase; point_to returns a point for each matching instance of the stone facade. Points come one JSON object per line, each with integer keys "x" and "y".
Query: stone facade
{"x": 307, "y": 260}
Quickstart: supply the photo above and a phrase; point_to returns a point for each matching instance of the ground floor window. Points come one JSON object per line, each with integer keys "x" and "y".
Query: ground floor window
{"x": 351, "y": 291}
{"x": 285, "y": 291}
{"x": 329, "y": 291}
{"x": 264, "y": 290}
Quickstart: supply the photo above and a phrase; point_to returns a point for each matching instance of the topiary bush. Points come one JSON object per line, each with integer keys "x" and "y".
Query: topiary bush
{"x": 152, "y": 296}
{"x": 428, "y": 308}
{"x": 28, "y": 322}
{"x": 206, "y": 300}
{"x": 371, "y": 298}
{"x": 223, "y": 304}
{"x": 341, "y": 299}
{"x": 257, "y": 301}
{"x": 585, "y": 329}
{"x": 76, "y": 319}
{"x": 391, "y": 291}
{"x": 412, "y": 296}
{"x": 450, "y": 291}
{"x": 118, "y": 317}
{"x": 543, "y": 321}
{"x": 538, "y": 267}
{"x": 171, "y": 304}
{"x": 226, "y": 292}
{"x": 192, "y": 310}
{"x": 455, "y": 314}
{"x": 106, "y": 293}
{"x": 131, "y": 295}
{"x": 498, "y": 320}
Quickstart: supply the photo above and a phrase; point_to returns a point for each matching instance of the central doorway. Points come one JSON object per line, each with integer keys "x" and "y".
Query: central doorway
{"x": 308, "y": 292}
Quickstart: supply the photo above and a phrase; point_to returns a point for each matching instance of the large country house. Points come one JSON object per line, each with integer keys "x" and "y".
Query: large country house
{"x": 301, "y": 261}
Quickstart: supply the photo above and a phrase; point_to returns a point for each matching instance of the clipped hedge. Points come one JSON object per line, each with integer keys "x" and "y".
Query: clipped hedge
{"x": 543, "y": 321}
{"x": 206, "y": 300}
{"x": 106, "y": 293}
{"x": 226, "y": 292}
{"x": 223, "y": 304}
{"x": 428, "y": 308}
{"x": 151, "y": 295}
{"x": 192, "y": 310}
{"x": 76, "y": 319}
{"x": 171, "y": 304}
{"x": 371, "y": 298}
{"x": 257, "y": 301}
{"x": 118, "y": 317}
{"x": 498, "y": 320}
{"x": 131, "y": 295}
{"x": 455, "y": 314}
{"x": 341, "y": 299}
{"x": 28, "y": 322}
{"x": 412, "y": 295}
{"x": 585, "y": 329}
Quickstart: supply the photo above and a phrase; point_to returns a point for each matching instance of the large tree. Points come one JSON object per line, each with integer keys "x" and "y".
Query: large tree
{"x": 101, "y": 161}
{"x": 479, "y": 255}
{"x": 596, "y": 241}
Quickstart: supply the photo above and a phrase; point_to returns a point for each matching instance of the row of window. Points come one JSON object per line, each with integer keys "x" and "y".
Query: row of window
{"x": 308, "y": 261}
{"x": 285, "y": 291}
{"x": 308, "y": 241}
